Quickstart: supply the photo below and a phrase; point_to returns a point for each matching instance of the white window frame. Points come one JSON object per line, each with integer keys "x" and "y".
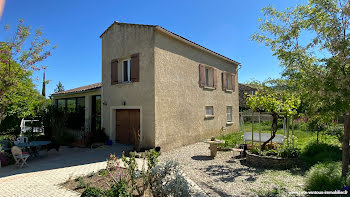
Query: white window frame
{"x": 128, "y": 74}
{"x": 212, "y": 110}
{"x": 209, "y": 77}
{"x": 229, "y": 113}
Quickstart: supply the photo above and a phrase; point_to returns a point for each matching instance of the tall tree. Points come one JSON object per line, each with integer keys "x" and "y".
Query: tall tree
{"x": 59, "y": 87}
{"x": 16, "y": 61}
{"x": 312, "y": 43}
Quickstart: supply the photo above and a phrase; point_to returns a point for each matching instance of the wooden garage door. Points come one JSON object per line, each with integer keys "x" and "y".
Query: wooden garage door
{"x": 128, "y": 123}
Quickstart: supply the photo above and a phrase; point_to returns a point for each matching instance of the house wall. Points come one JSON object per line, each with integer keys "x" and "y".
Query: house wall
{"x": 180, "y": 102}
{"x": 121, "y": 41}
{"x": 88, "y": 99}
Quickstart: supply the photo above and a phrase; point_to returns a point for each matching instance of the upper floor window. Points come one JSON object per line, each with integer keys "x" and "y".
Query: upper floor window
{"x": 126, "y": 70}
{"x": 207, "y": 76}
{"x": 228, "y": 81}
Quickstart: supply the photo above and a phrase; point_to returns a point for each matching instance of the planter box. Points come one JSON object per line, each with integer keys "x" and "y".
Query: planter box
{"x": 271, "y": 162}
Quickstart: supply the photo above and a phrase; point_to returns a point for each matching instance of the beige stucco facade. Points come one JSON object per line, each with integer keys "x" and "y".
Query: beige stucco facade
{"x": 119, "y": 42}
{"x": 171, "y": 103}
{"x": 180, "y": 102}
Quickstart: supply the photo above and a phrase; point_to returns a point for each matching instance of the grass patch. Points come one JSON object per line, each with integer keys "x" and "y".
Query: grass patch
{"x": 231, "y": 139}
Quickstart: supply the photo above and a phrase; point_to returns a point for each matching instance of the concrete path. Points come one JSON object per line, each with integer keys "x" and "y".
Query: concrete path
{"x": 43, "y": 176}
{"x": 264, "y": 137}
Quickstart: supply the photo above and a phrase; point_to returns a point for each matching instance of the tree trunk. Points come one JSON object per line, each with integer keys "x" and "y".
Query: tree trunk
{"x": 274, "y": 130}
{"x": 345, "y": 146}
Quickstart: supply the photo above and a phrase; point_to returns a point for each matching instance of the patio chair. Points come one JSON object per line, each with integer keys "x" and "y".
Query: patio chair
{"x": 22, "y": 139}
{"x": 19, "y": 156}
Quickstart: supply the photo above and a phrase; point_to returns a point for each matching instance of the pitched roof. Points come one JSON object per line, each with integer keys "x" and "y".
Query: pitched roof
{"x": 80, "y": 89}
{"x": 176, "y": 36}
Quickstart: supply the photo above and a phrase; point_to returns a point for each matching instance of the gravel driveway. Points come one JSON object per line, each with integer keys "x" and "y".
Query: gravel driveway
{"x": 228, "y": 176}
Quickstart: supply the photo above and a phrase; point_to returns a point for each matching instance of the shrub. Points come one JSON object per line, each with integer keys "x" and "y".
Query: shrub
{"x": 6, "y": 159}
{"x": 103, "y": 172}
{"x": 98, "y": 136}
{"x": 231, "y": 139}
{"x": 93, "y": 192}
{"x": 65, "y": 138}
{"x": 81, "y": 183}
{"x": 169, "y": 180}
{"x": 289, "y": 152}
{"x": 270, "y": 193}
{"x": 324, "y": 177}
{"x": 303, "y": 126}
{"x": 270, "y": 152}
{"x": 255, "y": 151}
{"x": 320, "y": 152}
{"x": 119, "y": 189}
{"x": 337, "y": 131}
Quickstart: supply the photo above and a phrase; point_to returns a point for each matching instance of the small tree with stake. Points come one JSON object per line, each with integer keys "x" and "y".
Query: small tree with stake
{"x": 275, "y": 102}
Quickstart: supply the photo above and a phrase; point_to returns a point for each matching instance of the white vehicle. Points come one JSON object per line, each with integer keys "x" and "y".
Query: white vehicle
{"x": 25, "y": 128}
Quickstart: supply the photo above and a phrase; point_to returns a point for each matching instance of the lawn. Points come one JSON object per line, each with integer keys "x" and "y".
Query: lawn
{"x": 302, "y": 136}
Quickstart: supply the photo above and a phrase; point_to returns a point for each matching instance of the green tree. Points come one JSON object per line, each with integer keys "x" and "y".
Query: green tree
{"x": 59, "y": 87}
{"x": 16, "y": 62}
{"x": 311, "y": 42}
{"x": 279, "y": 102}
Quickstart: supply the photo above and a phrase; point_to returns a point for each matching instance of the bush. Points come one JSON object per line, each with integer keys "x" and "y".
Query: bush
{"x": 6, "y": 159}
{"x": 320, "y": 152}
{"x": 93, "y": 192}
{"x": 255, "y": 151}
{"x": 324, "y": 177}
{"x": 169, "y": 180}
{"x": 231, "y": 139}
{"x": 119, "y": 189}
{"x": 303, "y": 126}
{"x": 289, "y": 152}
{"x": 98, "y": 136}
{"x": 65, "y": 138}
{"x": 336, "y": 130}
{"x": 274, "y": 192}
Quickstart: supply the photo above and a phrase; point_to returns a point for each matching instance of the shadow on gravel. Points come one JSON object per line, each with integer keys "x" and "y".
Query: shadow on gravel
{"x": 297, "y": 170}
{"x": 214, "y": 189}
{"x": 228, "y": 173}
{"x": 202, "y": 158}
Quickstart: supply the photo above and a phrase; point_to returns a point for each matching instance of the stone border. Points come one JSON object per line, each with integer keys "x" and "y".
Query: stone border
{"x": 271, "y": 162}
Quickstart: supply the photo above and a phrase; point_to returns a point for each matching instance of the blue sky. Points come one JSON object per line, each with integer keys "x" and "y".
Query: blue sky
{"x": 75, "y": 26}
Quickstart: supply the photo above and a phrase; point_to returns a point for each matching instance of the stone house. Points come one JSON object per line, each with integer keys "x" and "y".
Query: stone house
{"x": 161, "y": 88}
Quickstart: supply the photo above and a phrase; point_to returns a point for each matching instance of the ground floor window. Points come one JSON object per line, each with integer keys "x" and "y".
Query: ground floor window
{"x": 229, "y": 114}
{"x": 209, "y": 111}
{"x": 73, "y": 111}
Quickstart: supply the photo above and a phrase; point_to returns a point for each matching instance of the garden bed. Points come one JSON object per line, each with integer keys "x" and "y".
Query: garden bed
{"x": 271, "y": 161}
{"x": 100, "y": 180}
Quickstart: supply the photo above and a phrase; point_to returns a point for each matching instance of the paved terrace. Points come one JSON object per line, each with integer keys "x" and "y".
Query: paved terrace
{"x": 43, "y": 176}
